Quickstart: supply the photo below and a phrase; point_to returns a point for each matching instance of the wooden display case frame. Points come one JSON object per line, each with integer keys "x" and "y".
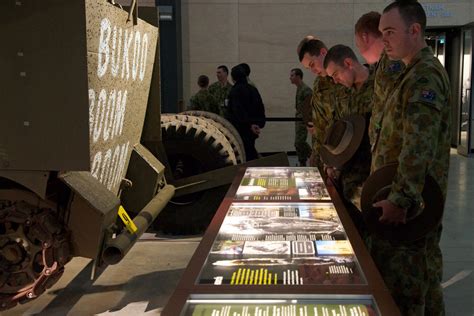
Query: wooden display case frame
{"x": 188, "y": 285}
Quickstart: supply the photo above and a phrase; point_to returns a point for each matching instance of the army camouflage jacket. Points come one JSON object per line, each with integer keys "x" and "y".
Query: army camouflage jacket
{"x": 302, "y": 92}
{"x": 386, "y": 73}
{"x": 356, "y": 171}
{"x": 220, "y": 92}
{"x": 415, "y": 129}
{"x": 328, "y": 100}
{"x": 204, "y": 101}
{"x": 360, "y": 101}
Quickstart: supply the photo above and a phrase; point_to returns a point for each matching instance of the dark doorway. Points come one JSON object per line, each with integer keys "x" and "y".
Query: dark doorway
{"x": 170, "y": 54}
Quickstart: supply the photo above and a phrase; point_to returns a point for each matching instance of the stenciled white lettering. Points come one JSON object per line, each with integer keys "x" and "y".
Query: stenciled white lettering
{"x": 107, "y": 116}
{"x": 103, "y": 48}
{"x": 110, "y": 169}
{"x": 113, "y": 56}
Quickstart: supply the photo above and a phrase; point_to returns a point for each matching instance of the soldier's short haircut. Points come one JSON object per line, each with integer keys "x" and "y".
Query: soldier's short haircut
{"x": 203, "y": 81}
{"x": 298, "y": 72}
{"x": 369, "y": 23}
{"x": 411, "y": 12}
{"x": 311, "y": 46}
{"x": 337, "y": 54}
{"x": 224, "y": 67}
{"x": 246, "y": 68}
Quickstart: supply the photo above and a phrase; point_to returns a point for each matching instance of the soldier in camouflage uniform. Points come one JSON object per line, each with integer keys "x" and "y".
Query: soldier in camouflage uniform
{"x": 221, "y": 88}
{"x": 203, "y": 100}
{"x": 412, "y": 129}
{"x": 369, "y": 42}
{"x": 303, "y": 92}
{"x": 327, "y": 96}
{"x": 342, "y": 65}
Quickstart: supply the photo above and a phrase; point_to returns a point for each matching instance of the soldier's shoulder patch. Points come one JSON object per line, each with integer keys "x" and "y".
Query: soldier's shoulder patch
{"x": 427, "y": 95}
{"x": 395, "y": 66}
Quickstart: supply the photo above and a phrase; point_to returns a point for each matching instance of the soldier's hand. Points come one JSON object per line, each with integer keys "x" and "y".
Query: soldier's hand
{"x": 391, "y": 214}
{"x": 331, "y": 173}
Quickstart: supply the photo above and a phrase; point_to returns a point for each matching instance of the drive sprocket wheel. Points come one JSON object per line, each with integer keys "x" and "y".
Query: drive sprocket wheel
{"x": 34, "y": 247}
{"x": 226, "y": 128}
{"x": 193, "y": 145}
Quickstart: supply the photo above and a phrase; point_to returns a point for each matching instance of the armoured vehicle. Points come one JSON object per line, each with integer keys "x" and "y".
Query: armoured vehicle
{"x": 81, "y": 143}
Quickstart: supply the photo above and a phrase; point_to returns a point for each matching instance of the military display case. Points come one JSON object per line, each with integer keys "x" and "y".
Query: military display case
{"x": 281, "y": 243}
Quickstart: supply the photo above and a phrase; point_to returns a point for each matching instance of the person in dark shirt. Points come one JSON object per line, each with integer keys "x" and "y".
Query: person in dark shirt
{"x": 246, "y": 111}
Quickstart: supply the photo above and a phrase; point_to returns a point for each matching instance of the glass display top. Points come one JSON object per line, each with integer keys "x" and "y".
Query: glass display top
{"x": 281, "y": 244}
{"x": 282, "y": 184}
{"x": 330, "y": 306}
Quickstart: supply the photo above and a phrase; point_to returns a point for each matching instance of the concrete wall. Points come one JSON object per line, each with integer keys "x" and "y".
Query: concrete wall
{"x": 264, "y": 34}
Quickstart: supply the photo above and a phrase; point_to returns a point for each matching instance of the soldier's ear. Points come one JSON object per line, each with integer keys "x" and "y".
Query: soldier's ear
{"x": 348, "y": 62}
{"x": 415, "y": 29}
{"x": 365, "y": 37}
{"x": 323, "y": 51}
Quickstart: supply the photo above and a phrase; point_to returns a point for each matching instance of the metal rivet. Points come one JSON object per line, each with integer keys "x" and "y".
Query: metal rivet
{"x": 26, "y": 123}
{"x": 30, "y": 295}
{"x": 22, "y": 74}
{"x": 20, "y": 54}
{"x": 18, "y": 2}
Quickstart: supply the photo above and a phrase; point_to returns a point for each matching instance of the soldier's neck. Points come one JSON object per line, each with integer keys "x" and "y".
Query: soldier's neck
{"x": 361, "y": 76}
{"x": 414, "y": 51}
{"x": 223, "y": 82}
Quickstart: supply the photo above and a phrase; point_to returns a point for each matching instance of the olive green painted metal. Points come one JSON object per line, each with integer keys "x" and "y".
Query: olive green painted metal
{"x": 117, "y": 248}
{"x": 146, "y": 174}
{"x": 93, "y": 210}
{"x": 223, "y": 176}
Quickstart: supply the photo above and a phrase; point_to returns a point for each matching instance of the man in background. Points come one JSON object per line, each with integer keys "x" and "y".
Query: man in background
{"x": 203, "y": 100}
{"x": 303, "y": 95}
{"x": 221, "y": 88}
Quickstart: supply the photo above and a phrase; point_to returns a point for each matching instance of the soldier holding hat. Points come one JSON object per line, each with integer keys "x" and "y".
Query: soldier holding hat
{"x": 327, "y": 96}
{"x": 413, "y": 130}
{"x": 342, "y": 65}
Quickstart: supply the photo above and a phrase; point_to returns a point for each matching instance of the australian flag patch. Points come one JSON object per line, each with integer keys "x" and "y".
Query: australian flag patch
{"x": 428, "y": 95}
{"x": 394, "y": 67}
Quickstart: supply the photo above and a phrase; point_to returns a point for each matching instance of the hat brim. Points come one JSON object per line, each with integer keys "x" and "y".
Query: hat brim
{"x": 377, "y": 187}
{"x": 339, "y": 160}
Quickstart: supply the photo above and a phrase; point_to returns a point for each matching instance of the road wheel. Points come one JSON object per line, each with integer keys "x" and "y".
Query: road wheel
{"x": 226, "y": 128}
{"x": 193, "y": 146}
{"x": 34, "y": 247}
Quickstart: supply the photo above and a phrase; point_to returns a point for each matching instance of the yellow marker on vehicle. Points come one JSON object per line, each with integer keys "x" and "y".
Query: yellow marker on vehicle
{"x": 128, "y": 222}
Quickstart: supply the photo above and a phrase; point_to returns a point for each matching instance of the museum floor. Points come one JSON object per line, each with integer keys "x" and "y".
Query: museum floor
{"x": 142, "y": 283}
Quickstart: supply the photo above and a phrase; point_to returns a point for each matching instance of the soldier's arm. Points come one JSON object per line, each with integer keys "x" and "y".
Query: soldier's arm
{"x": 320, "y": 124}
{"x": 421, "y": 126}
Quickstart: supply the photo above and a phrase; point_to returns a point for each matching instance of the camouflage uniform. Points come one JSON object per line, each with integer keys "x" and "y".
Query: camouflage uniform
{"x": 386, "y": 73}
{"x": 204, "y": 101}
{"x": 328, "y": 98}
{"x": 303, "y": 150}
{"x": 220, "y": 93}
{"x": 356, "y": 171}
{"x": 415, "y": 132}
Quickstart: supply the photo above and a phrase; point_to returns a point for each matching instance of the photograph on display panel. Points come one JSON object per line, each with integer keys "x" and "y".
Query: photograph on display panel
{"x": 280, "y": 184}
{"x": 289, "y": 244}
